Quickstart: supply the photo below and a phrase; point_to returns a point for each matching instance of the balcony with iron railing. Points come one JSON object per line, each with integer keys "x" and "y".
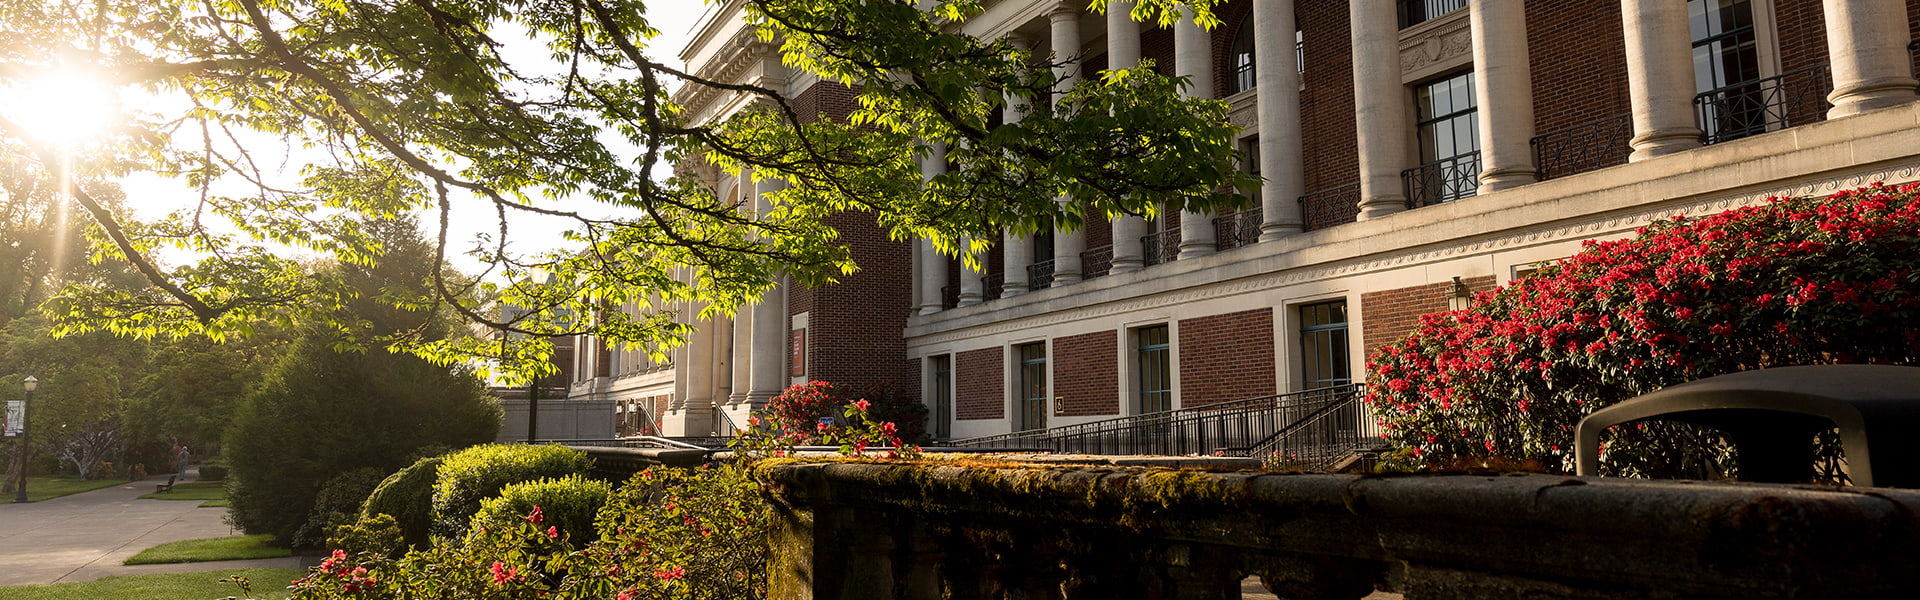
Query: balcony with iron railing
{"x": 993, "y": 285}
{"x": 1096, "y": 262}
{"x": 1040, "y": 275}
{"x": 1330, "y": 207}
{"x": 1157, "y": 248}
{"x": 1755, "y": 107}
{"x": 1443, "y": 180}
{"x": 1585, "y": 147}
{"x": 1237, "y": 230}
{"x": 1415, "y": 12}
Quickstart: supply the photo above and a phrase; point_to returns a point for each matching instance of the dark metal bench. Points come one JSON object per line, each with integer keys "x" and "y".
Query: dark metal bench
{"x": 165, "y": 487}
{"x": 1771, "y": 416}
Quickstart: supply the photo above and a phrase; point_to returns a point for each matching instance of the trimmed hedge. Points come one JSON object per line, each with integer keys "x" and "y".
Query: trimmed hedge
{"x": 475, "y": 474}
{"x": 407, "y": 497}
{"x": 568, "y": 504}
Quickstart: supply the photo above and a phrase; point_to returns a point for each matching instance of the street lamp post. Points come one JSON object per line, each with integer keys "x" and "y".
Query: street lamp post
{"x": 20, "y": 491}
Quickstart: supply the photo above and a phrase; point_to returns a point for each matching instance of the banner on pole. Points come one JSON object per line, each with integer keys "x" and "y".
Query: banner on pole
{"x": 16, "y": 418}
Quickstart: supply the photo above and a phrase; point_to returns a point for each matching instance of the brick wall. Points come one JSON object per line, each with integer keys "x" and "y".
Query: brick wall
{"x": 1326, "y": 103}
{"x": 1802, "y": 33}
{"x": 1226, "y": 357}
{"x": 1392, "y": 314}
{"x": 1578, "y": 60}
{"x": 1232, "y": 16}
{"x": 1086, "y": 371}
{"x": 854, "y": 329}
{"x": 982, "y": 391}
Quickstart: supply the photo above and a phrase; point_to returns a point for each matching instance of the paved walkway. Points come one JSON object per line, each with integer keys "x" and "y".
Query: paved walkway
{"x": 85, "y": 536}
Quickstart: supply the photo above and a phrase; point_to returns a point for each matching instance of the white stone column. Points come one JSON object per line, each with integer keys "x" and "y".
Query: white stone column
{"x": 693, "y": 384}
{"x": 769, "y": 323}
{"x": 1867, "y": 45}
{"x": 1017, "y": 254}
{"x": 972, "y": 290}
{"x": 1193, "y": 59}
{"x": 1277, "y": 89}
{"x": 1123, "y": 52}
{"x": 932, "y": 265}
{"x": 1503, "y": 89}
{"x": 1659, "y": 77}
{"x": 1065, "y": 23}
{"x": 1380, "y": 107}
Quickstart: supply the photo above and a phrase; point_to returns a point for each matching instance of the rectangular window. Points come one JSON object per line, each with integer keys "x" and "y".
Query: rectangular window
{"x": 1155, "y": 357}
{"x": 1449, "y": 142}
{"x": 1415, "y": 12}
{"x": 1323, "y": 345}
{"x": 942, "y": 367}
{"x": 1732, "y": 103}
{"x": 1032, "y": 410}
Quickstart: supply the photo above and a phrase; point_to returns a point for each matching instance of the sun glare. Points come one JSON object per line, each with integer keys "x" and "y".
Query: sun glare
{"x": 64, "y": 110}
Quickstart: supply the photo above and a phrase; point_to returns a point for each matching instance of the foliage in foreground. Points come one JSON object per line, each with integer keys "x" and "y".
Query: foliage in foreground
{"x": 171, "y": 586}
{"x": 667, "y": 533}
{"x": 470, "y": 476}
{"x": 567, "y": 504}
{"x": 795, "y": 415}
{"x": 1795, "y": 281}
{"x": 236, "y": 547}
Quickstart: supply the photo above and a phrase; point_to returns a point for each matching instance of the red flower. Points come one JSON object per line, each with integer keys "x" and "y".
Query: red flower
{"x": 553, "y": 532}
{"x": 671, "y": 574}
{"x": 503, "y": 573}
{"x": 862, "y": 405}
{"x": 536, "y": 517}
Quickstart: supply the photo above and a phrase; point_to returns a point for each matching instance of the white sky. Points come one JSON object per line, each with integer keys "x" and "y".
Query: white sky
{"x": 151, "y": 196}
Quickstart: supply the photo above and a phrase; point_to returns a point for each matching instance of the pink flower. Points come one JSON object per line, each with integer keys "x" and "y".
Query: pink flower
{"x": 862, "y": 405}
{"x": 536, "y": 517}
{"x": 553, "y": 532}
{"x": 503, "y": 573}
{"x": 671, "y": 574}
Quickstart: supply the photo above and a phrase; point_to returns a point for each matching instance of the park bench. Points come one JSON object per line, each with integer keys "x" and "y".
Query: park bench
{"x": 165, "y": 487}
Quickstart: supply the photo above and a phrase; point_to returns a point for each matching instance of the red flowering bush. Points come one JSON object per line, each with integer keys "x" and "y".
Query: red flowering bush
{"x": 794, "y": 417}
{"x": 1794, "y": 281}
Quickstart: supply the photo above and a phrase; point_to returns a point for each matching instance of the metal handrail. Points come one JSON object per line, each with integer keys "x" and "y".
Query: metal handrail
{"x": 1335, "y": 430}
{"x": 1237, "y": 230}
{"x": 1159, "y": 247}
{"x": 993, "y": 285}
{"x": 1196, "y": 430}
{"x": 1331, "y": 206}
{"x": 1040, "y": 275}
{"x": 1096, "y": 262}
{"x": 1443, "y": 180}
{"x": 1585, "y": 147}
{"x": 1754, "y": 107}
{"x": 1415, "y": 12}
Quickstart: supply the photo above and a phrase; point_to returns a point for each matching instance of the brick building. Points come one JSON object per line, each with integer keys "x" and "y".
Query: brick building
{"x": 1413, "y": 150}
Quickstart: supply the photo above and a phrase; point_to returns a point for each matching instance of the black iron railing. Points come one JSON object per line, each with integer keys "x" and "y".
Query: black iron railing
{"x": 1237, "y": 230}
{"x": 1096, "y": 262}
{"x": 1330, "y": 207}
{"x": 1156, "y": 248}
{"x": 1756, "y": 107}
{"x": 1040, "y": 275}
{"x": 1239, "y": 426}
{"x": 1337, "y": 429}
{"x": 993, "y": 285}
{"x": 1585, "y": 147}
{"x": 1443, "y": 180}
{"x": 1415, "y": 12}
{"x": 949, "y": 297}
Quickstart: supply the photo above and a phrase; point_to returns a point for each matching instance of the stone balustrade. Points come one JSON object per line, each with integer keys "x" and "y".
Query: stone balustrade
{"x": 971, "y": 528}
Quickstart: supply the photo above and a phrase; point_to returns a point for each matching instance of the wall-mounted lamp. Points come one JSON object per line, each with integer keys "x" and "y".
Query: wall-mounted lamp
{"x": 1459, "y": 296}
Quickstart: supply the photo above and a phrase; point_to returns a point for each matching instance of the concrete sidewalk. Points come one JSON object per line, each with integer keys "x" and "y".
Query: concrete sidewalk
{"x": 85, "y": 536}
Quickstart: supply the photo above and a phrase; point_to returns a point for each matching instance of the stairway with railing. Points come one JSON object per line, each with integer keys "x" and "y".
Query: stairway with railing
{"x": 1307, "y": 429}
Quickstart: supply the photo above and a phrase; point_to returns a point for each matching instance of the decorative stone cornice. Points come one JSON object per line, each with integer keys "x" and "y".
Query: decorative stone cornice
{"x": 735, "y": 59}
{"x": 1435, "y": 47}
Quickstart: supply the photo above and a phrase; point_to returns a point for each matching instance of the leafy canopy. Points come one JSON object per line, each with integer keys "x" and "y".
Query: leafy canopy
{"x": 385, "y": 107}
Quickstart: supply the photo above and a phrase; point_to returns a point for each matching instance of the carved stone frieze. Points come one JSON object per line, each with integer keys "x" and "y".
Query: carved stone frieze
{"x": 1435, "y": 47}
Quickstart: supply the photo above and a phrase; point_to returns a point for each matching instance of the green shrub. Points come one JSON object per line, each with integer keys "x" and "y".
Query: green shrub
{"x": 377, "y": 534}
{"x": 337, "y": 504}
{"x": 407, "y": 498}
{"x": 1795, "y": 281}
{"x": 474, "y": 474}
{"x": 567, "y": 504}
{"x": 213, "y": 471}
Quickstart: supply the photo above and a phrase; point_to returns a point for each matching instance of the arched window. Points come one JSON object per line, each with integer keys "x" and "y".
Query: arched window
{"x": 1240, "y": 60}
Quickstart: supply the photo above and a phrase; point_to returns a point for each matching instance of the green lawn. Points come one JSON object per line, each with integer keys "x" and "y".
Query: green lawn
{"x": 199, "y": 490}
{"x": 42, "y": 488}
{"x": 233, "y": 547}
{"x": 268, "y": 584}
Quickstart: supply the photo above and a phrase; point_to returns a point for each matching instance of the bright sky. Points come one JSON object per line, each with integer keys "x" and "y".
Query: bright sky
{"x": 151, "y": 196}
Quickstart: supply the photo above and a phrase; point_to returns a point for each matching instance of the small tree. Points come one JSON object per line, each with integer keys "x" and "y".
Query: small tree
{"x": 1795, "y": 281}
{"x": 795, "y": 415}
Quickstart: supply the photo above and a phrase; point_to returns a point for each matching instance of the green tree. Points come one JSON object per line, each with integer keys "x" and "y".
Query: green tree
{"x": 85, "y": 383}
{"x": 418, "y": 108}
{"x": 328, "y": 408}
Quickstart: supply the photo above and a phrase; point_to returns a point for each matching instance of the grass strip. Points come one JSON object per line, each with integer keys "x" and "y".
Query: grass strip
{"x": 233, "y": 547}
{"x": 199, "y": 490}
{"x": 268, "y": 584}
{"x": 44, "y": 488}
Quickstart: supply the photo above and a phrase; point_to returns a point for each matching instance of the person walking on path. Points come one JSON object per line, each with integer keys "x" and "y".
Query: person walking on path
{"x": 180, "y": 459}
